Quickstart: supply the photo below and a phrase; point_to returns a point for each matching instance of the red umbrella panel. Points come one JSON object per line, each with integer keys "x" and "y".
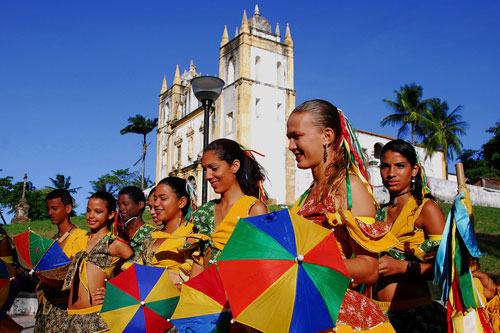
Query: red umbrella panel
{"x": 8, "y": 287}
{"x": 41, "y": 256}
{"x": 283, "y": 273}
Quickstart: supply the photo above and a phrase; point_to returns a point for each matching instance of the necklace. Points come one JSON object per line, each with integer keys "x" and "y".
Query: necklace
{"x": 395, "y": 200}
{"x": 61, "y": 239}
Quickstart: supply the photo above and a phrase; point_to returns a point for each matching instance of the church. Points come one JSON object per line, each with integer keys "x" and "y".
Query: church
{"x": 257, "y": 66}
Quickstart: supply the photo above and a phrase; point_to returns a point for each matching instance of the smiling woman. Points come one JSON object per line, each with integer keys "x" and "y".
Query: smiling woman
{"x": 233, "y": 173}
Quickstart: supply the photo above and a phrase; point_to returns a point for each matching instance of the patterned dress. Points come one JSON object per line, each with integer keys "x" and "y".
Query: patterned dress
{"x": 88, "y": 319}
{"x": 358, "y": 313}
{"x": 139, "y": 236}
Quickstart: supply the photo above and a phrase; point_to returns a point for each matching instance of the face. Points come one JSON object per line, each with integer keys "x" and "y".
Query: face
{"x": 396, "y": 172}
{"x": 167, "y": 205}
{"x": 128, "y": 208}
{"x": 97, "y": 214}
{"x": 306, "y": 140}
{"x": 219, "y": 173}
{"x": 151, "y": 203}
{"x": 57, "y": 210}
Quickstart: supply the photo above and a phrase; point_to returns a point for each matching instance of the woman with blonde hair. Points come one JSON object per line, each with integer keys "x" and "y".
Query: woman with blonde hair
{"x": 340, "y": 198}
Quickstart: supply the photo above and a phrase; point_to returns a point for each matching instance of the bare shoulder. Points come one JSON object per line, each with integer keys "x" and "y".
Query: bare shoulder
{"x": 120, "y": 249}
{"x": 431, "y": 218}
{"x": 258, "y": 208}
{"x": 362, "y": 201}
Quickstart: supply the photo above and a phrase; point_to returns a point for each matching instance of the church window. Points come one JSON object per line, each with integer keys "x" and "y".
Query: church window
{"x": 192, "y": 182}
{"x": 190, "y": 148}
{"x": 377, "y": 149}
{"x": 179, "y": 153}
{"x": 257, "y": 68}
{"x": 230, "y": 71}
{"x": 280, "y": 75}
{"x": 257, "y": 108}
{"x": 229, "y": 123}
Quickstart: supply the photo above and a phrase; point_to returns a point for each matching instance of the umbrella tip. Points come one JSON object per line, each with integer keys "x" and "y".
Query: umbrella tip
{"x": 12, "y": 278}
{"x": 238, "y": 217}
{"x": 168, "y": 320}
{"x": 31, "y": 272}
{"x": 142, "y": 303}
{"x": 299, "y": 259}
{"x": 333, "y": 229}
{"x": 232, "y": 321}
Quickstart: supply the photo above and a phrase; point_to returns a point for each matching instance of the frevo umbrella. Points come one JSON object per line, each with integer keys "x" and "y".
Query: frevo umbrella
{"x": 141, "y": 299}
{"x": 41, "y": 256}
{"x": 283, "y": 273}
{"x": 203, "y": 305}
{"x": 8, "y": 286}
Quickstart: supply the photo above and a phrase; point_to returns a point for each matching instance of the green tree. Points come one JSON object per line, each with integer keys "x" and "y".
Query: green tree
{"x": 408, "y": 110}
{"x": 441, "y": 130}
{"x": 34, "y": 197}
{"x": 491, "y": 149}
{"x": 64, "y": 183}
{"x": 5, "y": 187}
{"x": 141, "y": 125}
{"x": 117, "y": 179}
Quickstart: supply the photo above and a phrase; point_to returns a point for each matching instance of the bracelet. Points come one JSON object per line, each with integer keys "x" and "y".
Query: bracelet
{"x": 410, "y": 267}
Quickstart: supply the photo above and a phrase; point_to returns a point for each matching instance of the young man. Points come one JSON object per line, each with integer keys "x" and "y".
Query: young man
{"x": 51, "y": 313}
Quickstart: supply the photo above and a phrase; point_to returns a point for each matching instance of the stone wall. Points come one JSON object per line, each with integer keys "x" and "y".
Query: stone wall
{"x": 446, "y": 190}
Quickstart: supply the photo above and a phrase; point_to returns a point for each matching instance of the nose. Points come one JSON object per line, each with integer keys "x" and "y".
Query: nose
{"x": 208, "y": 175}
{"x": 292, "y": 145}
{"x": 391, "y": 171}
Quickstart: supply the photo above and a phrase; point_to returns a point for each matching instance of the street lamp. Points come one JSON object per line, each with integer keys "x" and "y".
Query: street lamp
{"x": 206, "y": 89}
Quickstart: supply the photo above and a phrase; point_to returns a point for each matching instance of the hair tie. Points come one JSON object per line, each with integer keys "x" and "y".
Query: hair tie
{"x": 260, "y": 183}
{"x": 192, "y": 199}
{"x": 425, "y": 184}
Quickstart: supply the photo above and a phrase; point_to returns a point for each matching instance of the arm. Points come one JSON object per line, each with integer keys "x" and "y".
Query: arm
{"x": 120, "y": 249}
{"x": 363, "y": 267}
{"x": 258, "y": 209}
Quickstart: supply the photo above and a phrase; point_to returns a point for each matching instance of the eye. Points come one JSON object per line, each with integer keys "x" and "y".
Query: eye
{"x": 384, "y": 166}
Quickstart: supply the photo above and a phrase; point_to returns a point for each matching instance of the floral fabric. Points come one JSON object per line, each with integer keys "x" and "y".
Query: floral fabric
{"x": 139, "y": 236}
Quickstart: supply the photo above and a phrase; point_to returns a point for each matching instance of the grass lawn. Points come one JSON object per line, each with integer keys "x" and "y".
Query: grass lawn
{"x": 486, "y": 227}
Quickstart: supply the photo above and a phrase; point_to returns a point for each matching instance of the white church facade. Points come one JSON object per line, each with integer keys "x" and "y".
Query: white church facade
{"x": 257, "y": 66}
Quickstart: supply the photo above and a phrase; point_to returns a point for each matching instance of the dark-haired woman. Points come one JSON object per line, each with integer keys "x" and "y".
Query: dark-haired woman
{"x": 340, "y": 197}
{"x": 96, "y": 255}
{"x": 173, "y": 206}
{"x": 237, "y": 177}
{"x": 417, "y": 221}
{"x": 131, "y": 203}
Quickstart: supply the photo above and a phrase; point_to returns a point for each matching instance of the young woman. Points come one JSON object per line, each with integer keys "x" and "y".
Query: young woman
{"x": 173, "y": 206}
{"x": 236, "y": 176}
{"x": 96, "y": 255}
{"x": 131, "y": 203}
{"x": 417, "y": 221}
{"x": 340, "y": 197}
{"x": 151, "y": 202}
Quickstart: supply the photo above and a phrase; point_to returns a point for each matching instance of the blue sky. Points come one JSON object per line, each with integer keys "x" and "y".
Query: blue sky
{"x": 71, "y": 73}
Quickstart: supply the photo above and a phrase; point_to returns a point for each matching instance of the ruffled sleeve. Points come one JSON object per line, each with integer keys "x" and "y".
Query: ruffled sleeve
{"x": 373, "y": 236}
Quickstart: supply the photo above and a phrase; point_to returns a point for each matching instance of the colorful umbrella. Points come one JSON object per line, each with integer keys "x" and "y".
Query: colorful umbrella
{"x": 283, "y": 273}
{"x": 41, "y": 256}
{"x": 141, "y": 299}
{"x": 203, "y": 304}
{"x": 454, "y": 260}
{"x": 8, "y": 287}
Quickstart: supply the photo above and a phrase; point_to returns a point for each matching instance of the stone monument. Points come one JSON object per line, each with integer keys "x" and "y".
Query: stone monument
{"x": 22, "y": 207}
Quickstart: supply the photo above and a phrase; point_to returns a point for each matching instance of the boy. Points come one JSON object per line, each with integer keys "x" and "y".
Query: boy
{"x": 51, "y": 313}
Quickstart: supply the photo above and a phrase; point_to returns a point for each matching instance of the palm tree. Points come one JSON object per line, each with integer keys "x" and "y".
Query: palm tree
{"x": 442, "y": 129}
{"x": 62, "y": 182}
{"x": 408, "y": 110}
{"x": 140, "y": 125}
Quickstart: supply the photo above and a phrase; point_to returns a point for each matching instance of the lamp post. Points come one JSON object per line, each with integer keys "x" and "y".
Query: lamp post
{"x": 206, "y": 89}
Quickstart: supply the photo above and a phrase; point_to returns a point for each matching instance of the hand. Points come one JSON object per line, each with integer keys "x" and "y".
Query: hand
{"x": 98, "y": 296}
{"x": 490, "y": 288}
{"x": 389, "y": 266}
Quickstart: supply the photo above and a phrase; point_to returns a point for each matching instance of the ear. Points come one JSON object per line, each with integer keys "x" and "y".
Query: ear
{"x": 328, "y": 136}
{"x": 141, "y": 205}
{"x": 414, "y": 171}
{"x": 111, "y": 215}
{"x": 235, "y": 166}
{"x": 68, "y": 208}
{"x": 182, "y": 202}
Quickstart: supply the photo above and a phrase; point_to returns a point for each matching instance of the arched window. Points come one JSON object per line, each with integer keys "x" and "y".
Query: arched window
{"x": 257, "y": 68}
{"x": 230, "y": 71}
{"x": 377, "y": 149}
{"x": 280, "y": 75}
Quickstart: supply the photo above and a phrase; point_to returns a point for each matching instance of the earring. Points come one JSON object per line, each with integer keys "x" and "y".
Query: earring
{"x": 325, "y": 153}
{"x": 412, "y": 185}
